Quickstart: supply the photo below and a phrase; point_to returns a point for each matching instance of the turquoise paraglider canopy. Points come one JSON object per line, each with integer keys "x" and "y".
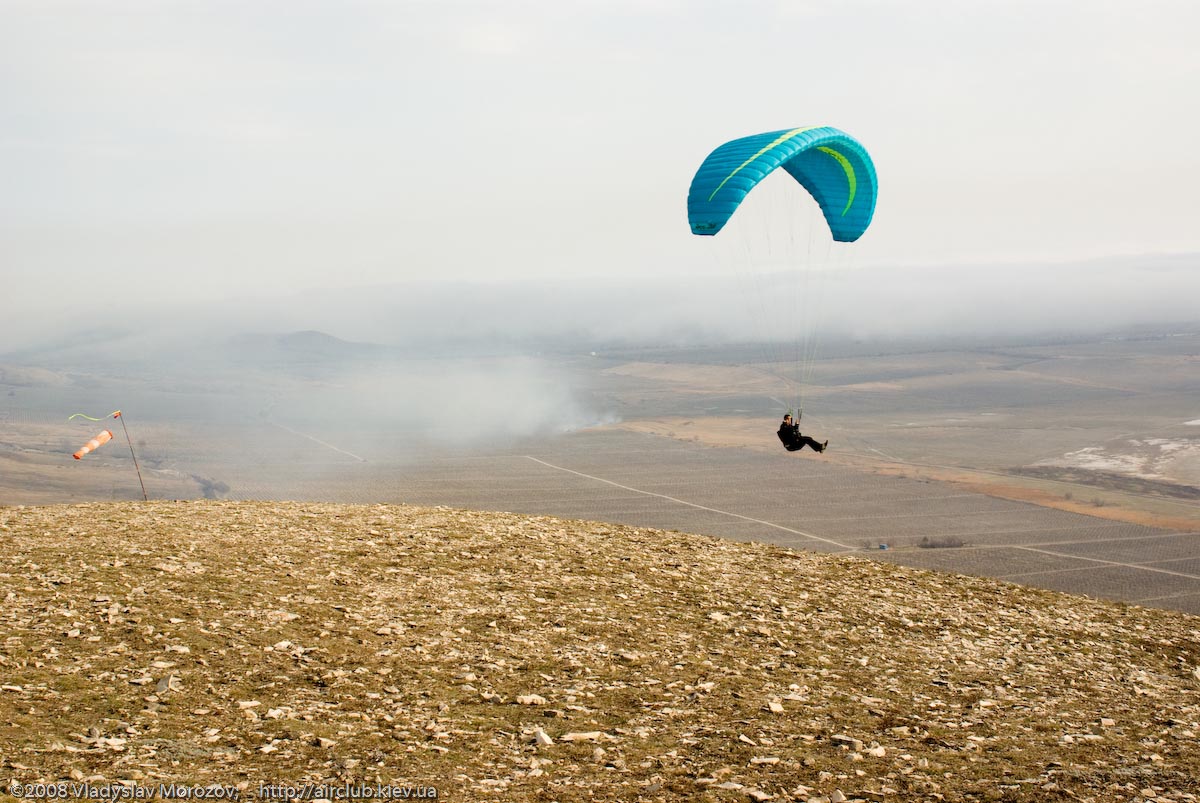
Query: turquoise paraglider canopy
{"x": 833, "y": 166}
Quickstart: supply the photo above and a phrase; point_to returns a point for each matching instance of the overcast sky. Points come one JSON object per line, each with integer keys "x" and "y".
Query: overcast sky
{"x": 219, "y": 150}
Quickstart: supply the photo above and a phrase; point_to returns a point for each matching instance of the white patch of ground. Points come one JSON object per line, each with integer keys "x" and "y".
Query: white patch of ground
{"x": 1153, "y": 458}
{"x": 1098, "y": 458}
{"x": 1195, "y": 423}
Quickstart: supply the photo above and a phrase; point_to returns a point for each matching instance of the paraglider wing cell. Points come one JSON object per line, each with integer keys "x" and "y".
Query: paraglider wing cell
{"x": 831, "y": 165}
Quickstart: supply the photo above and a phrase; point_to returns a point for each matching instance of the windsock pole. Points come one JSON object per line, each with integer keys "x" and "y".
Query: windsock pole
{"x": 100, "y": 439}
{"x": 136, "y": 468}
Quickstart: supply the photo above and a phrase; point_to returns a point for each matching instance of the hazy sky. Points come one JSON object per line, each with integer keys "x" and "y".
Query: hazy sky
{"x": 218, "y": 150}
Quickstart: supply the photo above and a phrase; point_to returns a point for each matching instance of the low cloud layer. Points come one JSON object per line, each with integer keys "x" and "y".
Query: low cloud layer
{"x": 432, "y": 318}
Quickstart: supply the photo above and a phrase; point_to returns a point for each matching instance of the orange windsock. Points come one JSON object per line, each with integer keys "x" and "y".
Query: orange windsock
{"x": 94, "y": 444}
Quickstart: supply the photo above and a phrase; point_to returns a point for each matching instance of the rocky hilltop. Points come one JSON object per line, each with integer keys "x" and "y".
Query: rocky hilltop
{"x": 491, "y": 656}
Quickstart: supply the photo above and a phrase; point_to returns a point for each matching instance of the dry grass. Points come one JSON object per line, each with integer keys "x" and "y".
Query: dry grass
{"x": 227, "y": 643}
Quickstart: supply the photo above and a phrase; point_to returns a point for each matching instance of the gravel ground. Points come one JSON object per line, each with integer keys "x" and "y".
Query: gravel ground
{"x": 494, "y": 656}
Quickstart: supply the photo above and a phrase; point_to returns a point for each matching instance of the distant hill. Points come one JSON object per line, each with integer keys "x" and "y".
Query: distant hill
{"x": 300, "y": 348}
{"x": 506, "y": 657}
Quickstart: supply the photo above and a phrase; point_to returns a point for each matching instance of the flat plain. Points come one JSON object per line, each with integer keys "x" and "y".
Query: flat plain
{"x": 1071, "y": 464}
